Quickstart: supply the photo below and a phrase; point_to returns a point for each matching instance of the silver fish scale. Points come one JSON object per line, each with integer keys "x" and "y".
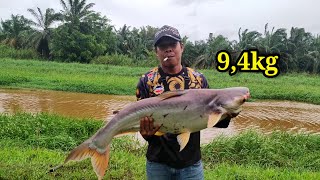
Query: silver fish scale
{"x": 188, "y": 112}
{"x": 171, "y": 117}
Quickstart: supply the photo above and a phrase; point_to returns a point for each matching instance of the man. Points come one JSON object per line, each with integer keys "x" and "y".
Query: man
{"x": 164, "y": 161}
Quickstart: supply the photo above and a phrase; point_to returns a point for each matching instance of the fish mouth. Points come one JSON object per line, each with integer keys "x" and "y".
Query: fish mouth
{"x": 243, "y": 99}
{"x": 236, "y": 108}
{"x": 235, "y": 104}
{"x": 247, "y": 96}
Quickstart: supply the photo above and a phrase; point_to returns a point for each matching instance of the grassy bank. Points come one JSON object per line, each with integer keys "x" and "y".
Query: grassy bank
{"x": 32, "y": 144}
{"x": 90, "y": 78}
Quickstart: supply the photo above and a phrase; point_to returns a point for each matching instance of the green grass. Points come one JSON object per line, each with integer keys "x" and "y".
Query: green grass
{"x": 19, "y": 161}
{"x": 121, "y": 80}
{"x": 226, "y": 171}
{"x": 67, "y": 77}
{"x": 32, "y": 144}
{"x": 279, "y": 150}
{"x": 47, "y": 131}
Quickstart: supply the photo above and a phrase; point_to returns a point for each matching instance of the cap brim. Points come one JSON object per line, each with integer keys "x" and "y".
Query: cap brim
{"x": 166, "y": 35}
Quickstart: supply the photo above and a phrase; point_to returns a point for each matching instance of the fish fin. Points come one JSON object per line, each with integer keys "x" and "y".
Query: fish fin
{"x": 171, "y": 94}
{"x": 80, "y": 153}
{"x": 159, "y": 133}
{"x": 183, "y": 139}
{"x": 213, "y": 119}
{"x": 99, "y": 160}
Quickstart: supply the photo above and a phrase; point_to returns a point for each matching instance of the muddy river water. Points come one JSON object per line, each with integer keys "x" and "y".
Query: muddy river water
{"x": 264, "y": 116}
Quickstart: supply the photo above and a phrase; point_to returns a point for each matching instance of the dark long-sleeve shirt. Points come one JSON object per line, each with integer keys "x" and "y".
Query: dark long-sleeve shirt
{"x": 165, "y": 149}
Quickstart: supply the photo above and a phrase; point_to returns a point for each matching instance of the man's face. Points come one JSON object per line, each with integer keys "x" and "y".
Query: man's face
{"x": 171, "y": 48}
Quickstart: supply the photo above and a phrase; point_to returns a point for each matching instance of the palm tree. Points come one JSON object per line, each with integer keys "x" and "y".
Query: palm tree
{"x": 76, "y": 11}
{"x": 40, "y": 37}
{"x": 298, "y": 44}
{"x": 192, "y": 52}
{"x": 14, "y": 30}
{"x": 2, "y": 35}
{"x": 247, "y": 39}
{"x": 313, "y": 55}
{"x": 275, "y": 42}
{"x": 214, "y": 45}
{"x": 147, "y": 33}
{"x": 123, "y": 36}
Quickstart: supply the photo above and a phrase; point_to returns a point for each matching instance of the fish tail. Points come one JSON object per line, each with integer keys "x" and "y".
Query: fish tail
{"x": 99, "y": 160}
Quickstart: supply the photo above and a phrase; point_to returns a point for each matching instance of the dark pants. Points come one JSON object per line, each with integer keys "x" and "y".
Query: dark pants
{"x": 157, "y": 171}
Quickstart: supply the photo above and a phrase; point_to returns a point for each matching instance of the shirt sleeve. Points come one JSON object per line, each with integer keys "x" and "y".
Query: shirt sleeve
{"x": 142, "y": 89}
{"x": 205, "y": 84}
{"x": 142, "y": 92}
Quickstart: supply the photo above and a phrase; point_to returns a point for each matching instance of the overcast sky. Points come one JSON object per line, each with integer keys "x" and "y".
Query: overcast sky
{"x": 194, "y": 18}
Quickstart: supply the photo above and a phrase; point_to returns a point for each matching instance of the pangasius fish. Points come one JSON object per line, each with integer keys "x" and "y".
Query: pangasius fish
{"x": 178, "y": 112}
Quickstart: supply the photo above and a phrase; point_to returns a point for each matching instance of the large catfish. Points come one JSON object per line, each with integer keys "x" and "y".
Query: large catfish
{"x": 178, "y": 112}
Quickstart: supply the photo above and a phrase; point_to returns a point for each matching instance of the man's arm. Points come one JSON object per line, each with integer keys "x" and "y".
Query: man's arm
{"x": 147, "y": 129}
{"x": 204, "y": 83}
{"x": 224, "y": 123}
{"x": 142, "y": 90}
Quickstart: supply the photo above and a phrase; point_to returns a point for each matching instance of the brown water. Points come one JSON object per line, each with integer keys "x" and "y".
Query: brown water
{"x": 264, "y": 116}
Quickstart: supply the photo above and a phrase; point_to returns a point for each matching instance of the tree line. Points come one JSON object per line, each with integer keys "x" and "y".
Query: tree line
{"x": 83, "y": 35}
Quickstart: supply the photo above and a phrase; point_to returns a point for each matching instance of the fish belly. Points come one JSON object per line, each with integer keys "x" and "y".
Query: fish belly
{"x": 178, "y": 122}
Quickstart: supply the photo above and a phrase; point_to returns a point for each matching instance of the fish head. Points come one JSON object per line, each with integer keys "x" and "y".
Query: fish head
{"x": 229, "y": 101}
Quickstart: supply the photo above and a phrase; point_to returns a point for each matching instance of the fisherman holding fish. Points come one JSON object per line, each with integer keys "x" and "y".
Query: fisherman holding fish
{"x": 164, "y": 158}
{"x": 179, "y": 102}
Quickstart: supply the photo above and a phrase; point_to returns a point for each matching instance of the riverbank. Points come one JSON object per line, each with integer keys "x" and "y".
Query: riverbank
{"x": 32, "y": 144}
{"x": 121, "y": 80}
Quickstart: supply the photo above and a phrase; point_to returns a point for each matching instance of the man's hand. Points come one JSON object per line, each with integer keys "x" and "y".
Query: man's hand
{"x": 147, "y": 128}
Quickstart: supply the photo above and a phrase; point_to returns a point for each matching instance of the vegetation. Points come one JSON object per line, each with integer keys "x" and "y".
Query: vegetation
{"x": 86, "y": 36}
{"x": 122, "y": 80}
{"x": 14, "y": 31}
{"x": 40, "y": 38}
{"x": 6, "y": 51}
{"x": 33, "y": 144}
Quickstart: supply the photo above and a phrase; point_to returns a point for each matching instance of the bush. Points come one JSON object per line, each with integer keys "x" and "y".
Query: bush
{"x": 71, "y": 45}
{"x": 114, "y": 59}
{"x": 125, "y": 60}
{"x": 9, "y": 52}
